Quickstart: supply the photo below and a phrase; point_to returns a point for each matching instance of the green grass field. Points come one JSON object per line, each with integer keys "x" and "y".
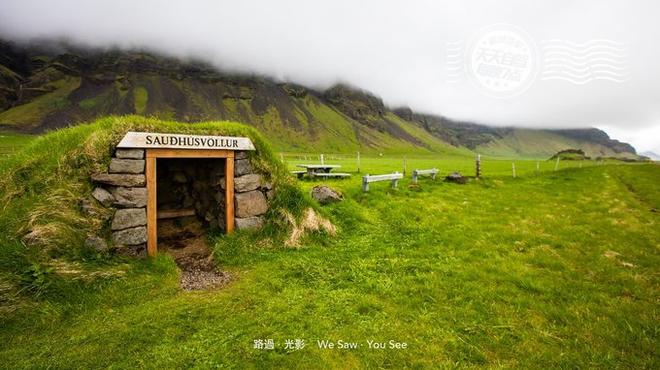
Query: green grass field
{"x": 11, "y": 143}
{"x": 549, "y": 270}
{"x": 388, "y": 163}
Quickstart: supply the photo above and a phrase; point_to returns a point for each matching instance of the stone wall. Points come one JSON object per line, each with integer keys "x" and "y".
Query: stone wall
{"x": 123, "y": 189}
{"x": 251, "y": 194}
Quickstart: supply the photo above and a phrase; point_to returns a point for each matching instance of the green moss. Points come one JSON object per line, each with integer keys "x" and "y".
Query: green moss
{"x": 31, "y": 114}
{"x": 93, "y": 102}
{"x": 230, "y": 106}
{"x": 141, "y": 97}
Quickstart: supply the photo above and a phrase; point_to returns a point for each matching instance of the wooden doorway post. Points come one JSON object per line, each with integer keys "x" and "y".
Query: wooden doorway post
{"x": 229, "y": 193}
{"x": 151, "y": 166}
{"x": 152, "y": 212}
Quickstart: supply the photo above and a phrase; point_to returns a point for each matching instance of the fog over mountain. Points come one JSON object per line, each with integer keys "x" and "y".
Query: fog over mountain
{"x": 397, "y": 50}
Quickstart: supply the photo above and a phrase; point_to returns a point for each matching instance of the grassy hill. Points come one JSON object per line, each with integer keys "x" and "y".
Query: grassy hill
{"x": 557, "y": 269}
{"x": 43, "y": 88}
{"x": 519, "y": 142}
{"x": 44, "y": 185}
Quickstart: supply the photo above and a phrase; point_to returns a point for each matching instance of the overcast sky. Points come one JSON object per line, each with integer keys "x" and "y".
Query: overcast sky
{"x": 395, "y": 49}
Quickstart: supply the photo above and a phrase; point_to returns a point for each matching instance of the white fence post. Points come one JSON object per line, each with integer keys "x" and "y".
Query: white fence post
{"x": 478, "y": 174}
{"x": 513, "y": 169}
{"x": 395, "y": 182}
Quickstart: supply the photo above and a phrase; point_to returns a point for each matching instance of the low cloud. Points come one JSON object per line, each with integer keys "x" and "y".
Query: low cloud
{"x": 398, "y": 50}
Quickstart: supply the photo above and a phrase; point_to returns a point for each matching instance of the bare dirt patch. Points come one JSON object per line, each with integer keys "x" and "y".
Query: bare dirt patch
{"x": 186, "y": 243}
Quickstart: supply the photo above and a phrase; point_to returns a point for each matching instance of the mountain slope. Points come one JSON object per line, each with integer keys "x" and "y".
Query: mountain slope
{"x": 545, "y": 143}
{"x": 48, "y": 87}
{"x": 652, "y": 155}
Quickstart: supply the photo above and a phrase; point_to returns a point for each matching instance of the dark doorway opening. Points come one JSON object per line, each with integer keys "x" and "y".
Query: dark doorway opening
{"x": 191, "y": 187}
{"x": 190, "y": 202}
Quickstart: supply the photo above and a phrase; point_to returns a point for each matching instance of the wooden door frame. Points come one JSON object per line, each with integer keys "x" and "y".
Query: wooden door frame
{"x": 151, "y": 167}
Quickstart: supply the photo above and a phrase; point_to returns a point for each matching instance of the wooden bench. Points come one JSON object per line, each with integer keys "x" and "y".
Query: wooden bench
{"x": 340, "y": 175}
{"x": 393, "y": 177}
{"x": 416, "y": 173}
{"x": 175, "y": 213}
{"x": 300, "y": 174}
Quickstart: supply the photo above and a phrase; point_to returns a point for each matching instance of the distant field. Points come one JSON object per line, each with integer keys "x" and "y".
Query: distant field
{"x": 375, "y": 164}
{"x": 10, "y": 143}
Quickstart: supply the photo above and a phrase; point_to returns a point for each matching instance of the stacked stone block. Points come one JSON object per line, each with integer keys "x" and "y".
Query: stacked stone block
{"x": 251, "y": 194}
{"x": 123, "y": 187}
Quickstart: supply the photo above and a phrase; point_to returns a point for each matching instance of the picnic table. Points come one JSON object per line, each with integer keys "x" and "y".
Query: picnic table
{"x": 319, "y": 170}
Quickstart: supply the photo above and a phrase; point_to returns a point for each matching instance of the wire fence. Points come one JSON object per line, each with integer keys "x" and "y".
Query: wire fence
{"x": 386, "y": 163}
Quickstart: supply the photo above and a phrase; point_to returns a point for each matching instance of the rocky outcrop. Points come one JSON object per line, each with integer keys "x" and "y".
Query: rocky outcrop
{"x": 456, "y": 177}
{"x": 325, "y": 194}
{"x": 91, "y": 83}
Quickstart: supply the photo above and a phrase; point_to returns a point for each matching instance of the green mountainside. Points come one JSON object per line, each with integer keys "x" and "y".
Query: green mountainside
{"x": 44, "y": 87}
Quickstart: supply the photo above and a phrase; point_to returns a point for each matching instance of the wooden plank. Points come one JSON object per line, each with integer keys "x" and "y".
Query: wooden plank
{"x": 426, "y": 172}
{"x": 319, "y": 166}
{"x": 174, "y": 213}
{"x": 152, "y": 236}
{"x": 229, "y": 193}
{"x": 182, "y": 141}
{"x": 416, "y": 173}
{"x": 189, "y": 153}
{"x": 332, "y": 174}
{"x": 385, "y": 177}
{"x": 393, "y": 177}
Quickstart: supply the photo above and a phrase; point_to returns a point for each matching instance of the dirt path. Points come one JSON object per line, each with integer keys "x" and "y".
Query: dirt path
{"x": 187, "y": 245}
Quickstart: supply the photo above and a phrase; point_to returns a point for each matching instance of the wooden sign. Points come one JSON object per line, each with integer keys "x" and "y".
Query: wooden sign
{"x": 178, "y": 141}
